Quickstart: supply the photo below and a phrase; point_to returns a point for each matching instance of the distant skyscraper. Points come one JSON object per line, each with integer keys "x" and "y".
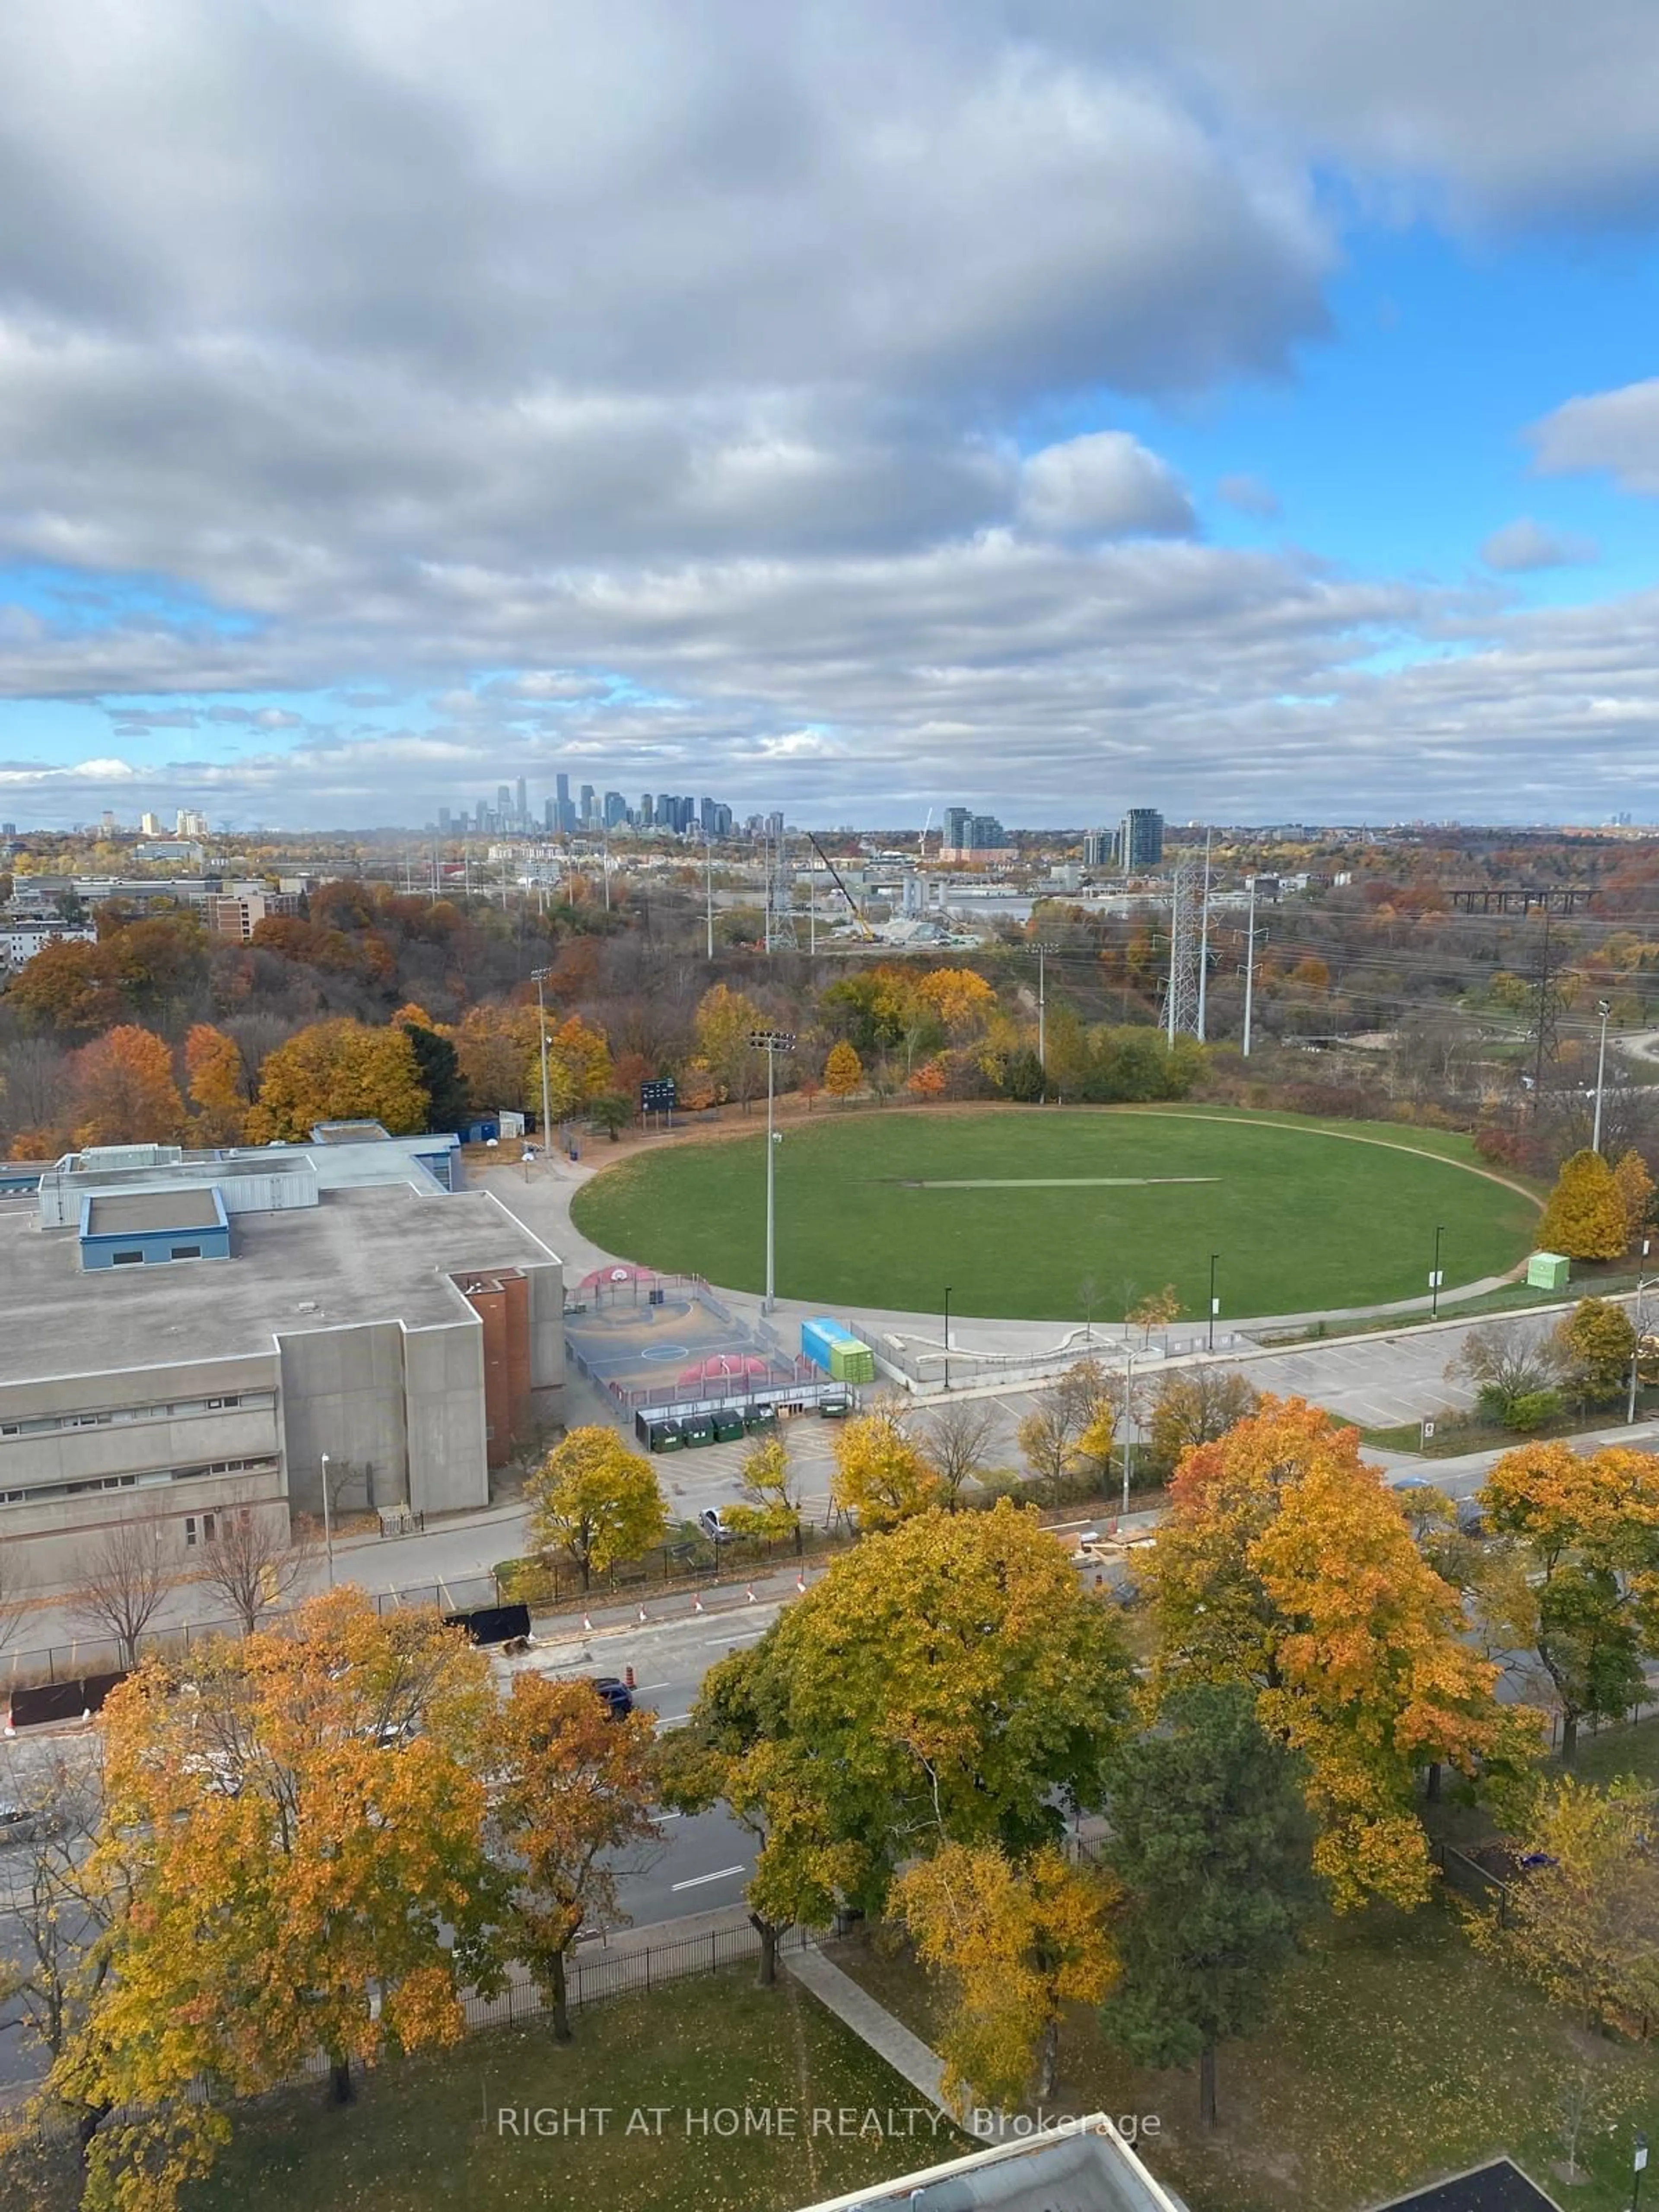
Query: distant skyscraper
{"x": 957, "y": 819}
{"x": 616, "y": 809}
{"x": 1099, "y": 848}
{"x": 588, "y": 815}
{"x": 443, "y": 831}
{"x": 524, "y": 803}
{"x": 1140, "y": 840}
{"x": 549, "y": 815}
{"x": 665, "y": 811}
{"x": 481, "y": 817}
{"x": 648, "y": 810}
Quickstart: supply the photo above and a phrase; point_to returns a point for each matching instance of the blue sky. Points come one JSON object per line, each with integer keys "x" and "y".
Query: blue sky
{"x": 855, "y": 410}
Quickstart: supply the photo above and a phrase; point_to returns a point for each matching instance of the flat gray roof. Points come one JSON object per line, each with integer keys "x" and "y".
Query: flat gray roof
{"x": 381, "y": 1254}
{"x": 152, "y": 1209}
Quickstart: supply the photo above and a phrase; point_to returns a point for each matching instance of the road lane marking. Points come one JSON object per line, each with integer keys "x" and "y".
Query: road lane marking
{"x": 696, "y": 1881}
{"x": 672, "y": 1720}
{"x": 753, "y": 1637}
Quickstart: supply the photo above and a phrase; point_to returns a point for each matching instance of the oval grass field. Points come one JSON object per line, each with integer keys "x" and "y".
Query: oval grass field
{"x": 1013, "y": 1210}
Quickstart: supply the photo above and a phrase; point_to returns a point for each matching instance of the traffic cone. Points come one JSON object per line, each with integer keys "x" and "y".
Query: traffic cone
{"x": 587, "y": 1625}
{"x": 643, "y": 1616}
{"x": 752, "y": 1593}
{"x": 800, "y": 1581}
{"x": 697, "y": 1604}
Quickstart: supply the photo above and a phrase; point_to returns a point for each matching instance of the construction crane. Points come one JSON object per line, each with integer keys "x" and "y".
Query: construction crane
{"x": 865, "y": 929}
{"x": 921, "y": 841}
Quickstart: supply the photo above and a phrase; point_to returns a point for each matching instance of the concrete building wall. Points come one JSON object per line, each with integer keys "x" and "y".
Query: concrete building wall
{"x": 344, "y": 1393}
{"x": 51, "y": 1543}
{"x": 546, "y": 1328}
{"x": 448, "y": 1454}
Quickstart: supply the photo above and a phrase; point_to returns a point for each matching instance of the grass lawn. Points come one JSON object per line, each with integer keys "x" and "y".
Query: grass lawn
{"x": 1393, "y": 2054}
{"x": 880, "y": 1209}
{"x": 423, "y": 2136}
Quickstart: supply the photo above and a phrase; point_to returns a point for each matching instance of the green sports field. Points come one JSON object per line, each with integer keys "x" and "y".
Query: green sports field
{"x": 1014, "y": 1210}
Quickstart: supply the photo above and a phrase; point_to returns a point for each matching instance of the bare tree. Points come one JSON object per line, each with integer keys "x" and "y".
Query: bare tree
{"x": 127, "y": 1577}
{"x": 14, "y": 1599}
{"x": 957, "y": 1437}
{"x": 1505, "y": 1364}
{"x": 56, "y": 1915}
{"x": 252, "y": 1562}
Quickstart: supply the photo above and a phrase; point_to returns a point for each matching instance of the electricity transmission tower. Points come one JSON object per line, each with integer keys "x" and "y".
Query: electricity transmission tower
{"x": 1181, "y": 1001}
{"x": 1547, "y": 1006}
{"x": 779, "y": 898}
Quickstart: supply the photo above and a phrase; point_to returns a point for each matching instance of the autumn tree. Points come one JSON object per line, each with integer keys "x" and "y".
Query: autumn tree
{"x": 843, "y": 1072}
{"x": 724, "y": 1022}
{"x": 252, "y": 1562}
{"x": 125, "y": 1580}
{"x": 1636, "y": 1193}
{"x": 571, "y": 1792}
{"x": 121, "y": 1091}
{"x": 948, "y": 1681}
{"x": 882, "y": 1475}
{"x": 495, "y": 1050}
{"x": 1211, "y": 1840}
{"x": 1074, "y": 1420}
{"x": 1597, "y": 1343}
{"x": 962, "y": 1000}
{"x": 1583, "y": 1923}
{"x": 1286, "y": 1566}
{"x": 1154, "y": 1310}
{"x": 771, "y": 1503}
{"x": 1195, "y": 1406}
{"x": 218, "y": 1084}
{"x": 339, "y": 1071}
{"x": 69, "y": 988}
{"x": 1013, "y": 1941}
{"x": 611, "y": 1111}
{"x": 578, "y": 1068}
{"x": 1584, "y": 1216}
{"x": 595, "y": 1501}
{"x": 299, "y": 1827}
{"x": 1584, "y": 1598}
{"x": 1509, "y": 1364}
{"x": 958, "y": 1436}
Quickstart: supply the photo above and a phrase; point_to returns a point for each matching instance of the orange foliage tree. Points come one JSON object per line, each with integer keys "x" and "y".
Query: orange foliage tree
{"x": 1285, "y": 1564}
{"x": 339, "y": 1071}
{"x": 218, "y": 1086}
{"x": 121, "y": 1091}
{"x": 571, "y": 1787}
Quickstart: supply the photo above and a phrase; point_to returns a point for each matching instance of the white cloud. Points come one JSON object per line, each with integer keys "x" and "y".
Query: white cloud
{"x": 1618, "y": 431}
{"x": 1524, "y": 545}
{"x": 1104, "y": 485}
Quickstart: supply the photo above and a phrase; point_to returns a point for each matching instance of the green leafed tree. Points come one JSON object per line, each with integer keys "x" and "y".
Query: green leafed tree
{"x": 1212, "y": 1841}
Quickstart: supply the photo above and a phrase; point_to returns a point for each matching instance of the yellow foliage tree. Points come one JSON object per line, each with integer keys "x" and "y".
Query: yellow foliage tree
{"x": 1014, "y": 1943}
{"x": 595, "y": 1501}
{"x": 881, "y": 1475}
{"x": 339, "y": 1071}
{"x": 297, "y": 1830}
{"x": 843, "y": 1071}
{"x": 725, "y": 1021}
{"x": 1285, "y": 1564}
{"x": 497, "y": 1048}
{"x": 1585, "y": 1217}
{"x": 1635, "y": 1187}
{"x": 963, "y": 1001}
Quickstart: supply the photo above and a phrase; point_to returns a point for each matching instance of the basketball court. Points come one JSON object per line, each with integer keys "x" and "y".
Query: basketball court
{"x": 652, "y": 1339}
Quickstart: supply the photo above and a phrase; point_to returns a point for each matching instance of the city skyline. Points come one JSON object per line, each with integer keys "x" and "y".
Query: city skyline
{"x": 1253, "y": 423}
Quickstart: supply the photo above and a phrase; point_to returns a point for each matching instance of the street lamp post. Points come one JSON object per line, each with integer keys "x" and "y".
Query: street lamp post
{"x": 771, "y": 1042}
{"x": 947, "y": 1336}
{"x": 538, "y": 977}
{"x": 328, "y": 1525}
{"x": 1645, "y": 1284}
{"x": 1215, "y": 1303}
{"x": 708, "y": 888}
{"x": 1602, "y": 1010}
{"x": 1434, "y": 1273}
{"x": 1129, "y": 1423}
{"x": 1639, "y": 2164}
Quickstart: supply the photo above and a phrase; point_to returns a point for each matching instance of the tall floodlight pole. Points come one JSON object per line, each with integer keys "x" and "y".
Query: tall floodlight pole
{"x": 538, "y": 977}
{"x": 947, "y": 1336}
{"x": 1129, "y": 1423}
{"x": 771, "y": 1042}
{"x": 1434, "y": 1273}
{"x": 1603, "y": 1010}
{"x": 1249, "y": 966}
{"x": 708, "y": 888}
{"x": 1042, "y": 1031}
{"x": 1214, "y": 1301}
{"x": 1204, "y": 939}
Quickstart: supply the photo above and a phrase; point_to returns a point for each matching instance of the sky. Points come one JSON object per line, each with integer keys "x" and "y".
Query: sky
{"x": 1050, "y": 406}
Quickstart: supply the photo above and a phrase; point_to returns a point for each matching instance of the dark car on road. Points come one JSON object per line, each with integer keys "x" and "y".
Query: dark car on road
{"x": 616, "y": 1694}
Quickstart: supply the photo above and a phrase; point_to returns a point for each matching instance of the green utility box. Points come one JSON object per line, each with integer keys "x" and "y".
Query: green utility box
{"x": 1548, "y": 1271}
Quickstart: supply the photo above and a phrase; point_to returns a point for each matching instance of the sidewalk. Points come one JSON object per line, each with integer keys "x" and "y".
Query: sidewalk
{"x": 907, "y": 2054}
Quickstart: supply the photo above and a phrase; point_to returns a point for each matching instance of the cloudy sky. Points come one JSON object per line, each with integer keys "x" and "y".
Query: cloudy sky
{"x": 1053, "y": 405}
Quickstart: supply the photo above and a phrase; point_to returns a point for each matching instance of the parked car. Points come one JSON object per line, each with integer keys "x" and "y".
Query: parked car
{"x": 713, "y": 1527}
{"x": 28, "y": 1824}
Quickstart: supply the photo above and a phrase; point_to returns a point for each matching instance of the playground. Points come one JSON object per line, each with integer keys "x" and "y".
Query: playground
{"x": 652, "y": 1339}
{"x": 1070, "y": 1214}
